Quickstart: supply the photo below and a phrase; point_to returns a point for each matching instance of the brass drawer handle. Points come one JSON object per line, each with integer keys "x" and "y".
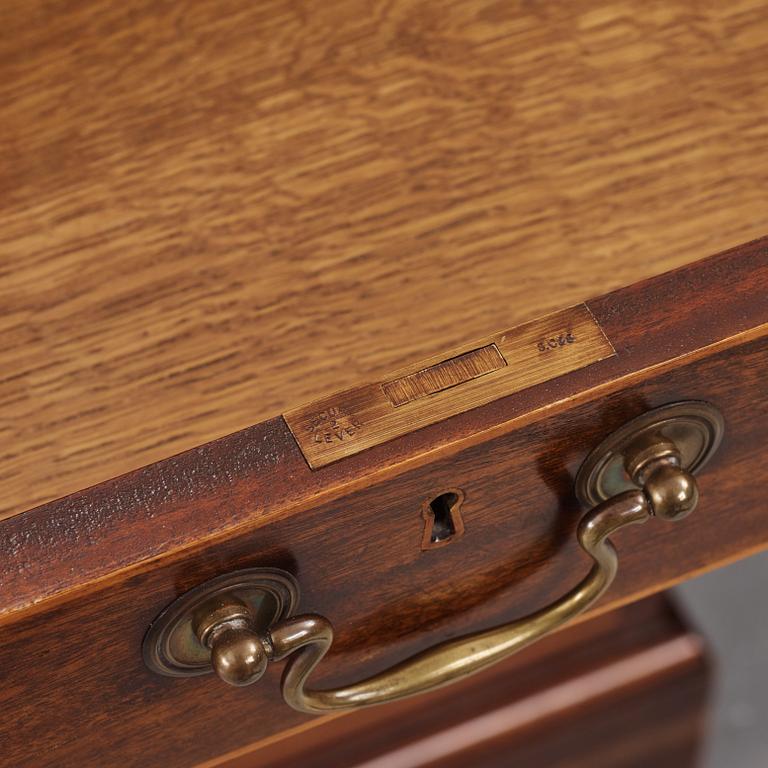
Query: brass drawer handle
{"x": 238, "y": 623}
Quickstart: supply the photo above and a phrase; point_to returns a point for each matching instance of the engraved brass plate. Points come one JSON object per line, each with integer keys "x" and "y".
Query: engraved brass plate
{"x": 348, "y": 422}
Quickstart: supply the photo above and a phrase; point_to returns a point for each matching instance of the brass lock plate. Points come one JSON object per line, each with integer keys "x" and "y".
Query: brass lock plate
{"x": 543, "y": 349}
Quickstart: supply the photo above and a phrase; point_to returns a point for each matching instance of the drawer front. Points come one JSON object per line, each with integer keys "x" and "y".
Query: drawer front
{"x": 84, "y": 577}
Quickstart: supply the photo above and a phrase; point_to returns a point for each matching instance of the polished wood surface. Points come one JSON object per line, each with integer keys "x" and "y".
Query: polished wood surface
{"x": 84, "y": 577}
{"x": 212, "y": 212}
{"x": 625, "y": 690}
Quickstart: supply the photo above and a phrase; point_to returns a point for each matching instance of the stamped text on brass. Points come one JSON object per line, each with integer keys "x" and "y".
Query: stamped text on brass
{"x": 529, "y": 354}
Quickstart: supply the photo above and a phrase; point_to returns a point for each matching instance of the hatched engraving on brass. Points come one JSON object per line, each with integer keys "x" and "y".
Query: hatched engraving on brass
{"x": 444, "y": 375}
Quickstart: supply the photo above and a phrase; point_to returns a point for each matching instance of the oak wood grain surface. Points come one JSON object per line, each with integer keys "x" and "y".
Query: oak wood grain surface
{"x": 212, "y": 212}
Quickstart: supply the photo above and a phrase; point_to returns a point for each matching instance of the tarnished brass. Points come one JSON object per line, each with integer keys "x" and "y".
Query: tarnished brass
{"x": 345, "y": 423}
{"x": 686, "y": 433}
{"x": 177, "y": 643}
{"x": 222, "y": 627}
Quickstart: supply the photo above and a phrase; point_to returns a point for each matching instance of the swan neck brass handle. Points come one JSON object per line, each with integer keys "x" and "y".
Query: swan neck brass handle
{"x": 239, "y": 655}
{"x": 306, "y": 639}
{"x": 658, "y": 482}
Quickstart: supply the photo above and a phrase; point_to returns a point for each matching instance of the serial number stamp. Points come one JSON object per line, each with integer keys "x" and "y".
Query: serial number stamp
{"x": 555, "y": 342}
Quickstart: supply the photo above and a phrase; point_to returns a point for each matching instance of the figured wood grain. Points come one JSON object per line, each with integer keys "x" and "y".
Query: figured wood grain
{"x": 213, "y": 212}
{"x": 625, "y": 690}
{"x": 447, "y": 384}
{"x": 84, "y": 577}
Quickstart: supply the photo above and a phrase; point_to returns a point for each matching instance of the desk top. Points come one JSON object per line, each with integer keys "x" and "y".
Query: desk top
{"x": 213, "y": 212}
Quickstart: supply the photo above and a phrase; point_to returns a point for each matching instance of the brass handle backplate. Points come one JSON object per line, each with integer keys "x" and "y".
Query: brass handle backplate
{"x": 238, "y": 623}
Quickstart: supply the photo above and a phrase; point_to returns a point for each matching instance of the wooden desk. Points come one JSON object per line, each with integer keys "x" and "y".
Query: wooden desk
{"x": 213, "y": 213}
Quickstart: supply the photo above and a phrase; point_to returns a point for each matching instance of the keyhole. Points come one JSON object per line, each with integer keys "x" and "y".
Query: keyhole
{"x": 442, "y": 519}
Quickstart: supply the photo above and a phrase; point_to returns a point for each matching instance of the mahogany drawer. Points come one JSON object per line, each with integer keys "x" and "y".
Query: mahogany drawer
{"x": 213, "y": 213}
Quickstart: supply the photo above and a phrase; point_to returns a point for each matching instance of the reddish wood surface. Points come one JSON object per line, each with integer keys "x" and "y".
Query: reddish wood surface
{"x": 625, "y": 690}
{"x": 83, "y": 577}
